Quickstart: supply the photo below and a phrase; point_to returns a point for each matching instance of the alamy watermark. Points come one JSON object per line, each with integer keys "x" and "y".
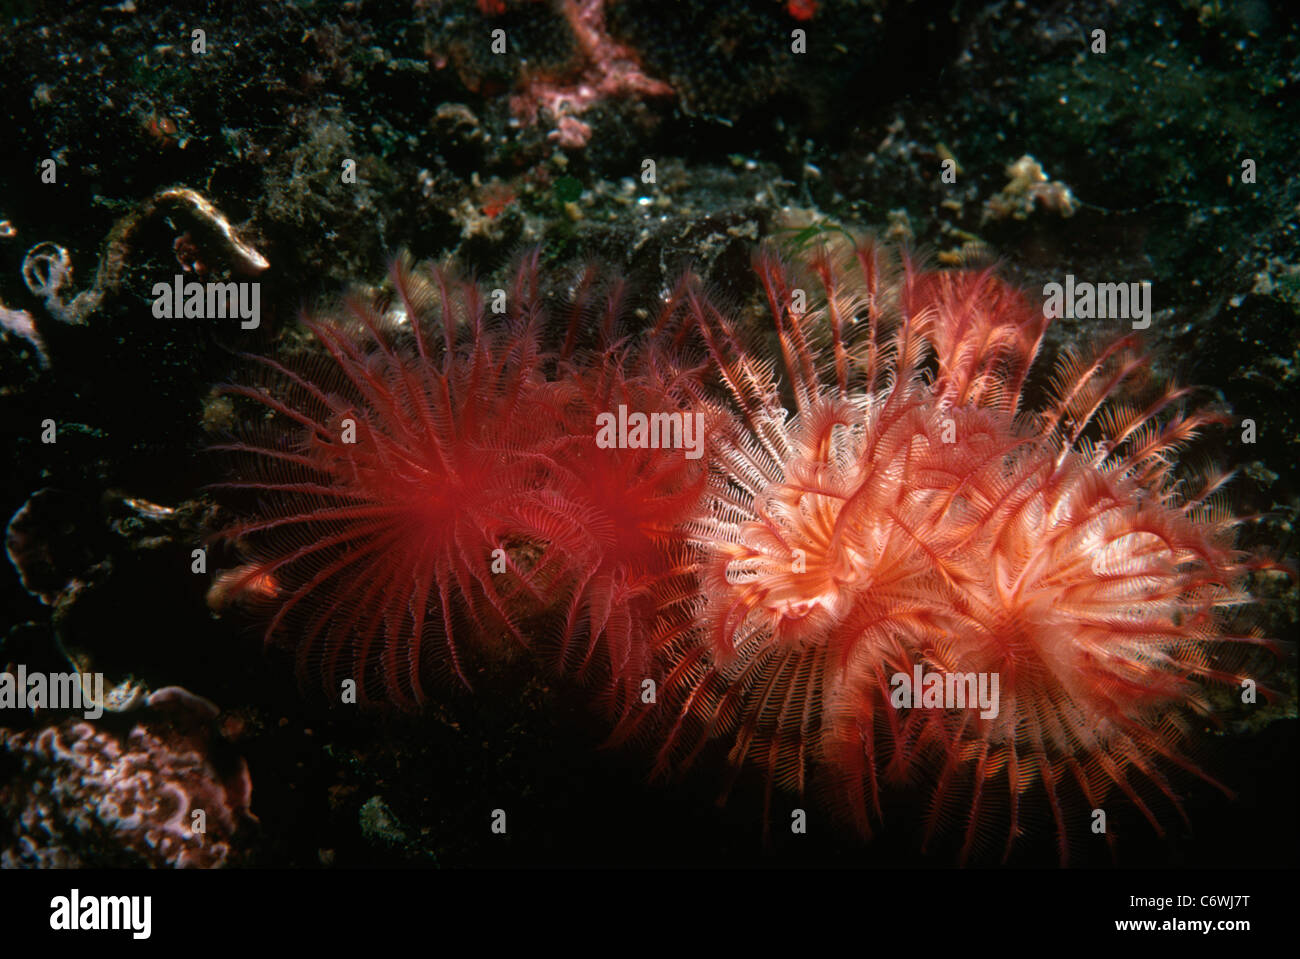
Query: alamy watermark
{"x": 652, "y": 431}
{"x": 1082, "y": 300}
{"x": 209, "y": 301}
{"x": 922, "y": 690}
{"x": 75, "y": 912}
{"x": 61, "y": 691}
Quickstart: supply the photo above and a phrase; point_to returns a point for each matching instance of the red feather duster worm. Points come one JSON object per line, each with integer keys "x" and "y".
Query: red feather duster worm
{"x": 430, "y": 484}
{"x": 613, "y": 498}
{"x": 803, "y": 563}
{"x": 909, "y": 515}
{"x": 750, "y": 562}
{"x": 382, "y": 483}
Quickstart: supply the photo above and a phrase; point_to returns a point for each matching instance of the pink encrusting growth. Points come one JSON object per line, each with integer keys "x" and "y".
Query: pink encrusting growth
{"x": 607, "y": 69}
{"x": 909, "y": 511}
{"x": 81, "y": 795}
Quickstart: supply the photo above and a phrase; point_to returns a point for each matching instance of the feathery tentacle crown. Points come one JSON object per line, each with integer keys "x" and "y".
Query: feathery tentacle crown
{"x": 908, "y": 513}
{"x": 434, "y": 485}
{"x": 875, "y": 503}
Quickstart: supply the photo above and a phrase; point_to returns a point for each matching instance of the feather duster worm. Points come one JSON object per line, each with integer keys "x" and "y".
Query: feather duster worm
{"x": 433, "y": 484}
{"x": 909, "y": 513}
{"x": 1091, "y": 583}
{"x": 614, "y": 496}
{"x": 771, "y": 551}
